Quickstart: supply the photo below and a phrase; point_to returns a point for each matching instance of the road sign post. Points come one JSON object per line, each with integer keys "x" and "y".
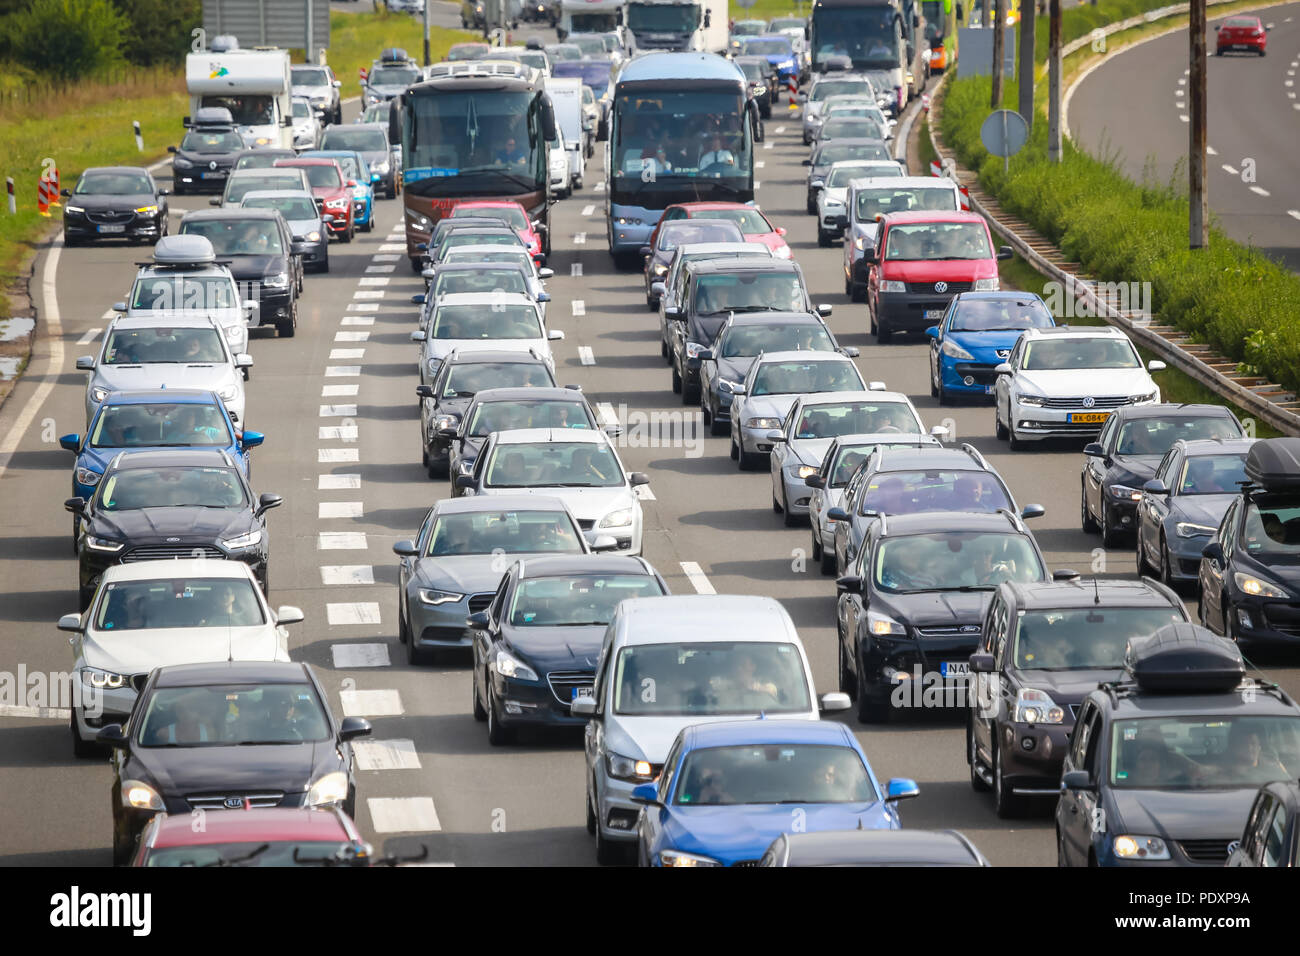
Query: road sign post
{"x": 1198, "y": 226}
{"x": 1004, "y": 133}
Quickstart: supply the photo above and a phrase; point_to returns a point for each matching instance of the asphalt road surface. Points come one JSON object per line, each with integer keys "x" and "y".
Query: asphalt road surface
{"x": 441, "y": 783}
{"x": 1133, "y": 108}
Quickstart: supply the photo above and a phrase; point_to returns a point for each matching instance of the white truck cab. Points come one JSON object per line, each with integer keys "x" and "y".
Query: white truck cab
{"x": 256, "y": 86}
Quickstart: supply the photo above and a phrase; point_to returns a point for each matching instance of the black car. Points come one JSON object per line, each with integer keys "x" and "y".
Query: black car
{"x": 1044, "y": 647}
{"x": 263, "y": 158}
{"x": 261, "y": 253}
{"x": 1272, "y": 834}
{"x": 114, "y": 202}
{"x": 910, "y": 608}
{"x": 680, "y": 233}
{"x": 1163, "y": 766}
{"x": 836, "y": 151}
{"x": 1126, "y": 453}
{"x": 213, "y": 737}
{"x": 462, "y": 375}
{"x": 873, "y": 848}
{"x": 714, "y": 289}
{"x": 536, "y": 645}
{"x": 206, "y": 154}
{"x": 762, "y": 82}
{"x": 171, "y": 503}
{"x": 1250, "y": 570}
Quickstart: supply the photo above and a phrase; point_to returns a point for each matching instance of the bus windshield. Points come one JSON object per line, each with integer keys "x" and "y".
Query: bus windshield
{"x": 680, "y": 134}
{"x": 867, "y": 35}
{"x": 473, "y": 143}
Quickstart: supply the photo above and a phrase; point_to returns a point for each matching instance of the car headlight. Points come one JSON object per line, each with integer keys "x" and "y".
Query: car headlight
{"x": 147, "y": 210}
{"x": 87, "y": 477}
{"x": 140, "y": 796}
{"x": 629, "y": 221}
{"x": 1129, "y": 847}
{"x": 616, "y": 519}
{"x": 434, "y": 597}
{"x": 243, "y": 541}
{"x": 104, "y": 544}
{"x": 831, "y": 201}
{"x": 312, "y": 237}
{"x": 693, "y": 349}
{"x": 803, "y": 471}
{"x": 783, "y": 253}
{"x": 953, "y": 350}
{"x": 337, "y": 203}
{"x": 625, "y": 768}
{"x": 1036, "y": 707}
{"x": 1125, "y": 492}
{"x": 879, "y": 624}
{"x": 507, "y": 665}
{"x": 660, "y": 269}
{"x": 726, "y": 386}
{"x": 98, "y": 393}
{"x": 381, "y": 168}
{"x": 1187, "y": 529}
{"x": 1256, "y": 587}
{"x": 228, "y": 393}
{"x": 445, "y": 421}
{"x": 860, "y": 243}
{"x": 678, "y": 858}
{"x": 1037, "y": 401}
{"x": 1142, "y": 399}
{"x": 331, "y": 788}
{"x": 892, "y": 285}
{"x": 74, "y": 210}
{"x": 986, "y": 285}
{"x": 763, "y": 423}
{"x": 103, "y": 680}
{"x": 180, "y": 162}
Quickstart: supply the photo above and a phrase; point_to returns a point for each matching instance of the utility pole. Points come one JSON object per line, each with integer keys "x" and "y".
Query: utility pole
{"x": 427, "y": 61}
{"x": 999, "y": 35}
{"x": 1054, "y": 82}
{"x": 1199, "y": 225}
{"x": 1026, "y": 81}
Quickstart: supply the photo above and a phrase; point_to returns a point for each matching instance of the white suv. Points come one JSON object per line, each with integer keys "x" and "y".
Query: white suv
{"x": 1067, "y": 381}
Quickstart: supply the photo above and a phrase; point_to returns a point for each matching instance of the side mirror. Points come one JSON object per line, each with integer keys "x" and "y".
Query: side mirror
{"x": 1156, "y": 487}
{"x": 170, "y": 149}
{"x": 815, "y": 481}
{"x": 424, "y": 391}
{"x": 75, "y": 506}
{"x": 1003, "y": 368}
{"x": 327, "y": 218}
{"x": 86, "y": 363}
{"x": 119, "y": 306}
{"x": 1004, "y": 252}
{"x": 477, "y": 621}
{"x": 901, "y": 788}
{"x": 70, "y": 443}
{"x": 554, "y": 335}
{"x": 1032, "y": 511}
{"x": 932, "y": 332}
{"x": 338, "y": 84}
{"x": 300, "y": 248}
{"x": 801, "y": 98}
{"x": 657, "y": 288}
{"x": 780, "y": 230}
{"x": 374, "y": 177}
{"x": 817, "y": 184}
{"x": 266, "y": 502}
{"x": 419, "y": 298}
{"x": 1094, "y": 450}
{"x": 405, "y": 549}
{"x": 1155, "y": 365}
{"x": 583, "y": 707}
{"x": 448, "y": 433}
{"x": 545, "y": 273}
{"x": 543, "y": 297}
{"x": 824, "y": 309}
{"x": 214, "y": 201}
{"x": 833, "y": 703}
{"x": 603, "y": 542}
{"x": 465, "y": 482}
{"x": 417, "y": 336}
{"x": 1213, "y": 551}
{"x": 540, "y": 259}
{"x": 288, "y": 614}
{"x": 805, "y": 162}
{"x": 1065, "y": 574}
{"x": 646, "y": 251}
{"x": 940, "y": 432}
{"x": 71, "y": 622}
{"x": 738, "y": 390}
{"x": 647, "y": 793}
{"x": 638, "y": 478}
{"x": 848, "y": 583}
{"x": 837, "y": 514}
{"x": 250, "y": 306}
{"x": 850, "y": 351}
{"x": 251, "y": 439}
{"x": 112, "y": 736}
{"x": 705, "y": 355}
{"x": 981, "y": 663}
{"x": 776, "y": 437}
{"x": 243, "y": 360}
{"x": 674, "y": 313}
{"x": 353, "y": 727}
{"x": 1077, "y": 780}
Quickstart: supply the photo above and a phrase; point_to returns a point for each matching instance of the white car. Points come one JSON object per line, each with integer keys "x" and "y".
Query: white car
{"x": 156, "y": 613}
{"x": 482, "y": 321}
{"x": 1066, "y": 382}
{"x": 884, "y": 192}
{"x": 306, "y": 127}
{"x": 579, "y": 466}
{"x": 561, "y": 166}
{"x": 832, "y": 211}
{"x": 176, "y": 350}
{"x": 833, "y": 84}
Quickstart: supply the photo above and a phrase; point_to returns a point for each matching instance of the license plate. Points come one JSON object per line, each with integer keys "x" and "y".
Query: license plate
{"x": 988, "y": 389}
{"x": 112, "y": 228}
{"x": 954, "y": 669}
{"x": 935, "y": 313}
{"x": 579, "y": 692}
{"x": 214, "y": 175}
{"x": 1088, "y": 418}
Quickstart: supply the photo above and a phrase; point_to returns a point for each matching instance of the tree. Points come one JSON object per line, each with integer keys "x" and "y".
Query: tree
{"x": 67, "y": 39}
{"x": 158, "y": 30}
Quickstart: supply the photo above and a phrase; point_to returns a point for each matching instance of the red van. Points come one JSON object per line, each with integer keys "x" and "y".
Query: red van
{"x": 921, "y": 260}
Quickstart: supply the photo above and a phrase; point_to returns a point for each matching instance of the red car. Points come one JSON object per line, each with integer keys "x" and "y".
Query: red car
{"x": 752, "y": 223}
{"x": 332, "y": 191}
{"x": 1240, "y": 33}
{"x": 275, "y": 836}
{"x": 510, "y": 212}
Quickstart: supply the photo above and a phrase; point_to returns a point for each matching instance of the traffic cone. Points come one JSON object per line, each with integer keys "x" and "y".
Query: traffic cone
{"x": 43, "y": 196}
{"x": 55, "y": 199}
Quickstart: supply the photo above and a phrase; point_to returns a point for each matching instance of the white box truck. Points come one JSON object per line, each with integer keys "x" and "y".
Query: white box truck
{"x": 255, "y": 85}
{"x": 566, "y": 98}
{"x": 679, "y": 25}
{"x": 590, "y": 16}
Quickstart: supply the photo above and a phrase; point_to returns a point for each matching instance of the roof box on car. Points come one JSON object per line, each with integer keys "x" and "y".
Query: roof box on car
{"x": 393, "y": 54}
{"x": 1274, "y": 463}
{"x": 211, "y": 116}
{"x": 184, "y": 251}
{"x": 1184, "y": 658}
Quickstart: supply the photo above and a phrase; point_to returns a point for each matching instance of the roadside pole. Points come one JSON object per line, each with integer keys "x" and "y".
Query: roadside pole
{"x": 1054, "y": 82}
{"x": 1199, "y": 225}
{"x": 999, "y": 34}
{"x": 1026, "y": 80}
{"x": 427, "y": 61}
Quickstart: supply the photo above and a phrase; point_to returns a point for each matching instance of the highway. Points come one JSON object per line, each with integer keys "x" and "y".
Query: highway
{"x": 1133, "y": 108}
{"x": 338, "y": 406}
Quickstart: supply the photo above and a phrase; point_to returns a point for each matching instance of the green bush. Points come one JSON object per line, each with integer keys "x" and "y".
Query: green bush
{"x": 159, "y": 30}
{"x": 67, "y": 39}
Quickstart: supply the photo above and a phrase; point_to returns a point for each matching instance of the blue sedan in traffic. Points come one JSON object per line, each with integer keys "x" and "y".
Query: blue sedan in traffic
{"x": 727, "y": 790}
{"x": 975, "y": 335}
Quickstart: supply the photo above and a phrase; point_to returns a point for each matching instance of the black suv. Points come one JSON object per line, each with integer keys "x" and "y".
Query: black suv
{"x": 207, "y": 152}
{"x": 1250, "y": 570}
{"x": 1044, "y": 647}
{"x": 909, "y": 609}
{"x": 1163, "y": 766}
{"x": 1127, "y": 452}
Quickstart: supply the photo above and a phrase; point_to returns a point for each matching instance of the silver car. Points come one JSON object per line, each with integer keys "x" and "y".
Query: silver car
{"x": 822, "y": 90}
{"x": 304, "y": 219}
{"x": 480, "y": 277}
{"x": 832, "y": 215}
{"x": 306, "y": 127}
{"x": 482, "y": 321}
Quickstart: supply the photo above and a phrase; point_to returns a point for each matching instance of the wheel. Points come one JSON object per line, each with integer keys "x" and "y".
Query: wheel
{"x": 1014, "y": 442}
{"x": 999, "y": 430}
{"x": 81, "y": 748}
{"x": 498, "y": 736}
{"x": 84, "y": 597}
{"x": 812, "y": 207}
{"x": 848, "y": 287}
{"x": 870, "y": 709}
{"x": 370, "y": 223}
{"x": 651, "y": 303}
{"x": 735, "y": 453}
{"x": 1109, "y": 536}
{"x": 415, "y": 655}
{"x": 1086, "y": 520}
{"x": 791, "y": 521}
{"x": 1166, "y": 567}
{"x": 479, "y": 713}
{"x": 749, "y": 461}
{"x": 976, "y": 781}
{"x": 286, "y": 327}
{"x": 351, "y": 231}
{"x": 1143, "y": 568}
{"x": 608, "y": 853}
{"x": 663, "y": 350}
{"x": 436, "y": 468}
{"x": 882, "y": 335}
{"x": 934, "y": 385}
{"x": 591, "y": 814}
{"x": 827, "y": 559}
{"x": 704, "y": 411}
{"x": 677, "y": 381}
{"x": 822, "y": 240}
{"x": 690, "y": 395}
{"x": 1006, "y": 803}
{"x": 123, "y": 847}
{"x": 417, "y": 266}
{"x": 718, "y": 427}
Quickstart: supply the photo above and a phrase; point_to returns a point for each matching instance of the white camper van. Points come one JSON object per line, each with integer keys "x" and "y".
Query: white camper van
{"x": 566, "y": 97}
{"x": 254, "y": 85}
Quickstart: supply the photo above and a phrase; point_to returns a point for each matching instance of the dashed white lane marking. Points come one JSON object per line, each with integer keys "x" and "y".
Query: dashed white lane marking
{"x": 606, "y": 414}
{"x": 1290, "y": 72}
{"x": 368, "y": 294}
{"x": 579, "y": 238}
{"x": 599, "y": 187}
{"x": 1212, "y": 151}
{"x": 358, "y": 320}
{"x": 767, "y": 145}
{"x": 644, "y": 493}
{"x": 338, "y": 391}
{"x": 1259, "y": 190}
{"x": 585, "y": 355}
{"x": 780, "y": 129}
{"x": 402, "y": 814}
{"x": 347, "y": 574}
{"x": 339, "y": 509}
{"x": 341, "y": 541}
{"x": 697, "y": 578}
{"x": 386, "y": 754}
{"x": 351, "y": 336}
{"x": 579, "y": 307}
{"x": 588, "y": 210}
{"x": 363, "y": 307}
{"x": 341, "y": 615}
{"x": 1182, "y": 81}
{"x": 575, "y": 269}
{"x": 347, "y": 353}
{"x": 1185, "y": 118}
{"x": 342, "y": 371}
{"x": 378, "y": 270}
{"x": 1295, "y": 106}
{"x": 387, "y": 258}
{"x": 1293, "y": 213}
{"x": 41, "y": 713}
{"x": 1229, "y": 170}
{"x": 371, "y": 703}
{"x": 337, "y": 456}
{"x": 756, "y": 185}
{"x": 89, "y": 337}
{"x": 360, "y": 655}
{"x": 108, "y": 316}
{"x": 338, "y": 482}
{"x": 373, "y": 281}
{"x": 1288, "y": 82}
{"x": 342, "y": 411}
{"x": 338, "y": 433}
{"x": 759, "y": 164}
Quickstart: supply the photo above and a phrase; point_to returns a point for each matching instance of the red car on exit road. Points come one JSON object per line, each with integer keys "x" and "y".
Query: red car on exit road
{"x": 1240, "y": 33}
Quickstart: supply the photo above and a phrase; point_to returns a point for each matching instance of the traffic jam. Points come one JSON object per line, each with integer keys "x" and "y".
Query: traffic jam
{"x": 1113, "y": 708}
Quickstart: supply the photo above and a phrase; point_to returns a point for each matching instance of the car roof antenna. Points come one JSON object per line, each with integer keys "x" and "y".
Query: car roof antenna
{"x": 1096, "y": 591}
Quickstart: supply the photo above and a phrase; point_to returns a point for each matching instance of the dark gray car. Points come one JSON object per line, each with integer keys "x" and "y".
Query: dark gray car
{"x": 371, "y": 141}
{"x": 304, "y": 219}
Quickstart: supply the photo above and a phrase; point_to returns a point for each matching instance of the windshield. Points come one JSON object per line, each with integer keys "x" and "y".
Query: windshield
{"x": 870, "y": 36}
{"x": 136, "y": 426}
{"x": 505, "y": 532}
{"x": 199, "y": 141}
{"x": 998, "y": 315}
{"x": 465, "y": 381}
{"x": 233, "y": 715}
{"x": 135, "y": 488}
{"x": 508, "y": 415}
{"x": 309, "y": 76}
{"x": 1155, "y": 436}
{"x": 561, "y": 52}
{"x": 237, "y": 187}
{"x": 301, "y": 109}
{"x": 487, "y": 321}
{"x": 767, "y": 47}
{"x": 261, "y": 159}
{"x": 750, "y": 292}
{"x": 710, "y": 678}
{"x": 910, "y": 492}
{"x": 684, "y": 231}
{"x": 832, "y": 419}
{"x": 1272, "y": 530}
{"x": 153, "y": 345}
{"x": 240, "y": 237}
{"x": 477, "y": 255}
{"x": 292, "y": 208}
{"x": 750, "y": 221}
{"x": 1080, "y": 353}
{"x": 245, "y": 109}
{"x": 188, "y": 292}
{"x": 179, "y": 603}
{"x": 486, "y": 140}
{"x": 846, "y": 463}
{"x": 593, "y": 22}
{"x": 828, "y": 88}
{"x": 681, "y": 133}
{"x": 748, "y": 28}
{"x": 852, "y": 127}
{"x": 554, "y": 464}
{"x": 512, "y": 215}
{"x": 870, "y": 202}
{"x": 1212, "y": 475}
{"x": 773, "y": 774}
{"x": 796, "y": 378}
{"x": 576, "y": 600}
{"x": 589, "y": 45}
{"x": 1203, "y": 753}
{"x": 938, "y": 240}
{"x": 955, "y": 560}
{"x": 754, "y": 72}
{"x": 343, "y": 137}
{"x": 115, "y": 184}
{"x": 278, "y": 853}
{"x": 1091, "y": 638}
{"x": 842, "y": 175}
{"x": 479, "y": 280}
{"x": 473, "y": 237}
{"x": 662, "y": 18}
{"x": 749, "y": 340}
{"x": 840, "y": 152}
{"x": 394, "y": 76}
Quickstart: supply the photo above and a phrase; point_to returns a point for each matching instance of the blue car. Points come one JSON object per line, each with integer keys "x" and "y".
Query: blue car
{"x": 727, "y": 790}
{"x": 975, "y": 335}
{"x": 354, "y": 168}
{"x": 779, "y": 52}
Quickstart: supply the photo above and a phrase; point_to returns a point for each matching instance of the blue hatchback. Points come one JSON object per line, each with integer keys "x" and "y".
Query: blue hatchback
{"x": 976, "y": 334}
{"x": 778, "y": 50}
{"x": 729, "y": 789}
{"x": 354, "y": 167}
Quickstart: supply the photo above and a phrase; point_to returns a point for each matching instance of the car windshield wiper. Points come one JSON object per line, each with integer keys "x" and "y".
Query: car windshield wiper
{"x": 236, "y": 860}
